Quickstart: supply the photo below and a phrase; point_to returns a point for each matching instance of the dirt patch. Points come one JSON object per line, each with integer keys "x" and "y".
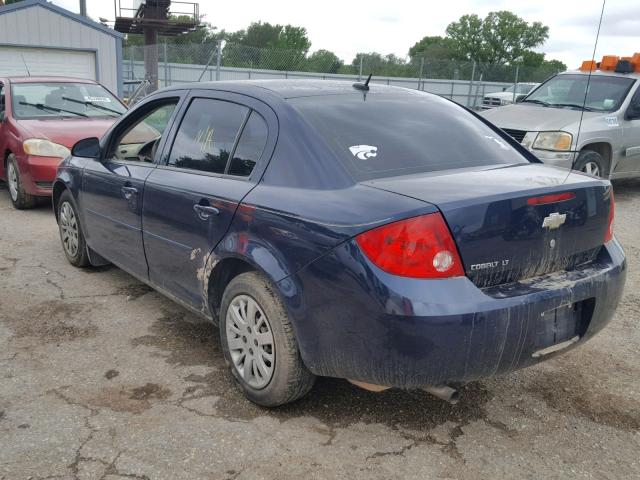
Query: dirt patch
{"x": 134, "y": 400}
{"x": 184, "y": 339}
{"x": 52, "y": 321}
{"x": 110, "y": 374}
{"x": 134, "y": 290}
{"x": 570, "y": 393}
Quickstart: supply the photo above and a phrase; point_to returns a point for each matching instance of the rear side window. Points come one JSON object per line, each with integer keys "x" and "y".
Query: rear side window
{"x": 388, "y": 134}
{"x": 250, "y": 146}
{"x": 206, "y": 135}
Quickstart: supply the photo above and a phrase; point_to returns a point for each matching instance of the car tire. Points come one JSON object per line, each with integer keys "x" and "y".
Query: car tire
{"x": 20, "y": 199}
{"x": 71, "y": 234}
{"x": 592, "y": 163}
{"x": 270, "y": 372}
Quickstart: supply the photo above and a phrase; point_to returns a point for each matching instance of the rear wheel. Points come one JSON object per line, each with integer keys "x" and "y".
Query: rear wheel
{"x": 71, "y": 235}
{"x": 259, "y": 344}
{"x": 19, "y": 197}
{"x": 592, "y": 163}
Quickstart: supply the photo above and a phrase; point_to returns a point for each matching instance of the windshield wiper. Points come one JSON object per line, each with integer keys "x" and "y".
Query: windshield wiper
{"x": 572, "y": 105}
{"x": 94, "y": 105}
{"x": 42, "y": 106}
{"x": 533, "y": 100}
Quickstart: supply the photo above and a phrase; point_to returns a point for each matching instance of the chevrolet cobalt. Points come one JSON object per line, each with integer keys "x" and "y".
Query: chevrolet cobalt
{"x": 382, "y": 235}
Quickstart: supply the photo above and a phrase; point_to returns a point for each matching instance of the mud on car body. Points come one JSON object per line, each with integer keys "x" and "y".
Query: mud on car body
{"x": 382, "y": 235}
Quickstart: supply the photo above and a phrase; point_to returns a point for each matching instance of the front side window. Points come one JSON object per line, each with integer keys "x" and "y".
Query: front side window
{"x": 140, "y": 140}
{"x": 63, "y": 99}
{"x": 606, "y": 93}
{"x": 207, "y": 134}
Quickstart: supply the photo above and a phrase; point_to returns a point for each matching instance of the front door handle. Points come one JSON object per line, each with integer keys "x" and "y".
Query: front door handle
{"x": 205, "y": 211}
{"x": 128, "y": 192}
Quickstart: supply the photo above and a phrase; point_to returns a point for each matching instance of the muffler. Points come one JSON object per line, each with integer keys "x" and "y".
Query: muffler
{"x": 444, "y": 392}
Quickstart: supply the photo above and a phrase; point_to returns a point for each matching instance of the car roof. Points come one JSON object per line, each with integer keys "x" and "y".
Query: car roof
{"x": 288, "y": 88}
{"x": 53, "y": 79}
{"x": 603, "y": 73}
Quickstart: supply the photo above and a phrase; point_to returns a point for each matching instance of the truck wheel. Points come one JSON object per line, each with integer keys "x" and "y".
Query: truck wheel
{"x": 259, "y": 344}
{"x": 19, "y": 198}
{"x": 73, "y": 242}
{"x": 592, "y": 163}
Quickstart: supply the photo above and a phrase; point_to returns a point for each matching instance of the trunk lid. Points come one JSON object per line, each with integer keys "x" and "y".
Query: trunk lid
{"x": 501, "y": 236}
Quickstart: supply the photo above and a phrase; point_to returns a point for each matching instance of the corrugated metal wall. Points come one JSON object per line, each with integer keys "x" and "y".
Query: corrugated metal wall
{"x": 40, "y": 27}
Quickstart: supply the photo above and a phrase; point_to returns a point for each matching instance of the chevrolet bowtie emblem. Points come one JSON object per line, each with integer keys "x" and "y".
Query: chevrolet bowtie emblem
{"x": 554, "y": 221}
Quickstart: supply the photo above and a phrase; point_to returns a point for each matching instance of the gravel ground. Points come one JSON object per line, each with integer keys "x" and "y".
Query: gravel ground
{"x": 102, "y": 378}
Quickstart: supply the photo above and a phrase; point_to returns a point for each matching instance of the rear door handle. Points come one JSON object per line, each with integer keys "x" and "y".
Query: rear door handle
{"x": 128, "y": 192}
{"x": 205, "y": 211}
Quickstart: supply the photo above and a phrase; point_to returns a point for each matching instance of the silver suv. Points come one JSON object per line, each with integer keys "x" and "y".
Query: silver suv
{"x": 547, "y": 122}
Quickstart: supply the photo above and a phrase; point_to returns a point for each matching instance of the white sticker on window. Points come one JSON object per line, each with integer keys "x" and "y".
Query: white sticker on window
{"x": 97, "y": 99}
{"x": 364, "y": 152}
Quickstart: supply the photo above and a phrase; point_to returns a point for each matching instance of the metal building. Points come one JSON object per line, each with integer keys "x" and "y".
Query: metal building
{"x": 49, "y": 40}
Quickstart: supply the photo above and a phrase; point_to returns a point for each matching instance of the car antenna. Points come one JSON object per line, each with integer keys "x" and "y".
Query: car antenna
{"x": 363, "y": 86}
{"x": 25, "y": 65}
{"x": 586, "y": 90}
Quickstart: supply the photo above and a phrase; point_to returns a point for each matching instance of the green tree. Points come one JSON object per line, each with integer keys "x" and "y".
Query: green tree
{"x": 323, "y": 61}
{"x": 263, "y": 45}
{"x": 500, "y": 38}
{"x": 435, "y": 48}
{"x": 384, "y": 65}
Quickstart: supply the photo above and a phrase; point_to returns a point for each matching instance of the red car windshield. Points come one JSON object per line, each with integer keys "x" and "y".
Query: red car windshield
{"x": 63, "y": 99}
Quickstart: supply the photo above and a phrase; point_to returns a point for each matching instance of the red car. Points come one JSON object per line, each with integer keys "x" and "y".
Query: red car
{"x": 41, "y": 118}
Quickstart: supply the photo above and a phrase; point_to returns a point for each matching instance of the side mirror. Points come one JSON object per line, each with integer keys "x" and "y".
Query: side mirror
{"x": 633, "y": 112}
{"x": 87, "y": 148}
{"x": 519, "y": 98}
{"x": 504, "y": 89}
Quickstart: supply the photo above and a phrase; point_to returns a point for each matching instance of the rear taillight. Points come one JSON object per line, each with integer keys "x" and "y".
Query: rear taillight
{"x": 612, "y": 211}
{"x": 419, "y": 247}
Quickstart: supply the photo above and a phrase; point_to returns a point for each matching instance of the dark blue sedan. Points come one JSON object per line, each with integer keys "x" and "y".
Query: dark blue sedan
{"x": 383, "y": 235}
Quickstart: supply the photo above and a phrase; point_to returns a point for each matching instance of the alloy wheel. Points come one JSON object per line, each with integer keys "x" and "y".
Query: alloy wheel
{"x": 69, "y": 229}
{"x": 250, "y": 341}
{"x": 591, "y": 168}
{"x": 12, "y": 177}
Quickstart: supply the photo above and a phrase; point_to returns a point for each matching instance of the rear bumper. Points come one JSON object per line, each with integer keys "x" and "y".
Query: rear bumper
{"x": 354, "y": 321}
{"x": 38, "y": 174}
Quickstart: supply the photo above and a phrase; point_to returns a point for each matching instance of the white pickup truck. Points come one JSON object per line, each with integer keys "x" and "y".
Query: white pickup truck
{"x": 508, "y": 95}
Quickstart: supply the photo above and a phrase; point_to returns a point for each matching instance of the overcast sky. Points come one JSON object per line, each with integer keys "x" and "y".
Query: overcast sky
{"x": 392, "y": 26}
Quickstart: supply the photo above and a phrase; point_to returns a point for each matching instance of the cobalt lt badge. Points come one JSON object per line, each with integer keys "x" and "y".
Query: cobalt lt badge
{"x": 554, "y": 221}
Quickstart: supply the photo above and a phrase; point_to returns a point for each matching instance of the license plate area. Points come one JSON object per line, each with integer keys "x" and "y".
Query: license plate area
{"x": 563, "y": 325}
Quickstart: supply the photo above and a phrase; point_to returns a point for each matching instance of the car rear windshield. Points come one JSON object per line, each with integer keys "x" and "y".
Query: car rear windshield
{"x": 63, "y": 99}
{"x": 389, "y": 134}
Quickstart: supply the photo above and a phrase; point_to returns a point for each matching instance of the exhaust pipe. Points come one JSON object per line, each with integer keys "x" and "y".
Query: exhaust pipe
{"x": 444, "y": 392}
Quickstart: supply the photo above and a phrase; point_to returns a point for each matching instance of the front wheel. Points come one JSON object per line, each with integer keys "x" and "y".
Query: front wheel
{"x": 592, "y": 163}
{"x": 71, "y": 235}
{"x": 19, "y": 197}
{"x": 259, "y": 344}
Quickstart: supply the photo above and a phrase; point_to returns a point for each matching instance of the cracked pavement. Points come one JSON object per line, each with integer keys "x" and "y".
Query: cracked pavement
{"x": 103, "y": 378}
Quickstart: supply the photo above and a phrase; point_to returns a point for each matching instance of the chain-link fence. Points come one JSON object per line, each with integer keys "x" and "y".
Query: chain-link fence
{"x": 463, "y": 82}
